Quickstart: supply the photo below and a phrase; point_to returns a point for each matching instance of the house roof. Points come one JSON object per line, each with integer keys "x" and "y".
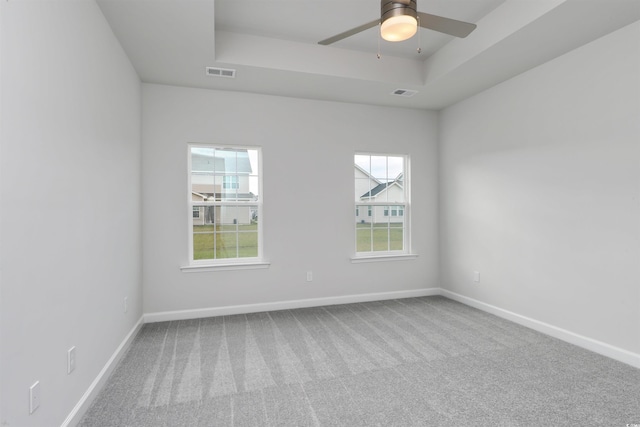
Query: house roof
{"x": 376, "y": 190}
{"x": 380, "y": 188}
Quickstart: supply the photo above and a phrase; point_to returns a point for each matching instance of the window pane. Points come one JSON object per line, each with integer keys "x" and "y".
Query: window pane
{"x": 396, "y": 221}
{"x": 380, "y": 213}
{"x": 248, "y": 231}
{"x": 209, "y": 215}
{"x": 203, "y": 241}
{"x": 379, "y": 168}
{"x": 226, "y": 245}
{"x": 395, "y": 167}
{"x": 230, "y": 182}
{"x": 244, "y": 215}
{"x": 202, "y": 166}
{"x": 227, "y": 160}
{"x": 254, "y": 171}
{"x": 396, "y": 236}
{"x": 248, "y": 244}
{"x": 380, "y": 237}
{"x": 227, "y": 217}
{"x": 363, "y": 237}
{"x": 363, "y": 188}
{"x": 216, "y": 192}
{"x": 254, "y": 188}
{"x": 363, "y": 162}
{"x": 395, "y": 192}
{"x": 229, "y": 191}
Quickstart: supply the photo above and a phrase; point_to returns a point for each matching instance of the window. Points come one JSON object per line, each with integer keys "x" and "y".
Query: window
{"x": 225, "y": 198}
{"x": 230, "y": 182}
{"x": 381, "y": 187}
{"x": 397, "y": 211}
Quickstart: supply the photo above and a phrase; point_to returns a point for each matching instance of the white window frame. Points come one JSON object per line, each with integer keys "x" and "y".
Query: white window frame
{"x": 405, "y": 208}
{"x": 224, "y": 263}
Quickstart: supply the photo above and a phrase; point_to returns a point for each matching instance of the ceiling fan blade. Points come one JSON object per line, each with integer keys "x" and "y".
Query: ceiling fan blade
{"x": 446, "y": 25}
{"x": 349, "y": 33}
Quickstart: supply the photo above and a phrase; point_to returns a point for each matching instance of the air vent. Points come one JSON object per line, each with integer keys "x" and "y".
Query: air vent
{"x": 221, "y": 72}
{"x": 404, "y": 92}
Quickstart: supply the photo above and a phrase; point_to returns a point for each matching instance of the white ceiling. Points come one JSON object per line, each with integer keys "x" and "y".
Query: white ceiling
{"x": 273, "y": 45}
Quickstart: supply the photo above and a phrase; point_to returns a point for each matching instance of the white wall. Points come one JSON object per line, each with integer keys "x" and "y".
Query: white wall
{"x": 71, "y": 235}
{"x": 1, "y": 143}
{"x": 540, "y": 192}
{"x": 308, "y": 149}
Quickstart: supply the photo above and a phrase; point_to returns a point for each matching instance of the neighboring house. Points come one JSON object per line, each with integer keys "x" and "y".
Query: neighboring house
{"x": 370, "y": 189}
{"x": 221, "y": 176}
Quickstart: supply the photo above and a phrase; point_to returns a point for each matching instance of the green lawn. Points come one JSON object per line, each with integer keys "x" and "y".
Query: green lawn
{"x": 386, "y": 237}
{"x": 244, "y": 243}
{"x": 228, "y": 243}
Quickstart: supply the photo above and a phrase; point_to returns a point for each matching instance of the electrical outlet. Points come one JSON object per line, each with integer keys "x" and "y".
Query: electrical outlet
{"x": 476, "y": 276}
{"x": 309, "y": 276}
{"x": 34, "y": 397}
{"x": 126, "y": 304}
{"x": 71, "y": 360}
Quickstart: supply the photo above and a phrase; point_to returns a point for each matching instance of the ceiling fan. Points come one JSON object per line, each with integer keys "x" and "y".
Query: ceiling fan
{"x": 399, "y": 20}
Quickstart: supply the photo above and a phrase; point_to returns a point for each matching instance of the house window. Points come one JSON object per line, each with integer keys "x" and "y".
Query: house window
{"x": 230, "y": 182}
{"x": 381, "y": 185}
{"x": 225, "y": 198}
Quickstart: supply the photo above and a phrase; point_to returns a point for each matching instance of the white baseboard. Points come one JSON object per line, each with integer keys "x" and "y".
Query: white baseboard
{"x": 87, "y": 398}
{"x": 285, "y": 305}
{"x": 590, "y": 344}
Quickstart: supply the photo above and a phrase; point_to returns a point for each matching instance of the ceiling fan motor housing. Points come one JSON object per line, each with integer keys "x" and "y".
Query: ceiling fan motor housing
{"x": 390, "y": 8}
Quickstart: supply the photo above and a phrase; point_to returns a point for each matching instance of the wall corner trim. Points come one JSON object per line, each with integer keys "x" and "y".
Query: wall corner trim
{"x": 98, "y": 383}
{"x": 587, "y": 343}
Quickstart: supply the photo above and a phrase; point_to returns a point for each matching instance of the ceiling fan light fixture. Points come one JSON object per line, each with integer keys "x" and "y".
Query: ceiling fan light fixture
{"x": 398, "y": 28}
{"x": 399, "y": 20}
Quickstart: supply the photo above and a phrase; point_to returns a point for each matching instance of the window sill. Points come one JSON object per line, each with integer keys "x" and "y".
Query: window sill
{"x": 222, "y": 267}
{"x": 379, "y": 258}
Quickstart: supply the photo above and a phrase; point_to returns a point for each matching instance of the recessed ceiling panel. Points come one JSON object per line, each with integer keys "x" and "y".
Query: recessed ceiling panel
{"x": 309, "y": 21}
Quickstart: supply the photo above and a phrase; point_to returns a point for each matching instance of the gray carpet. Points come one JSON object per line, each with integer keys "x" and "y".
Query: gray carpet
{"x": 411, "y": 362}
